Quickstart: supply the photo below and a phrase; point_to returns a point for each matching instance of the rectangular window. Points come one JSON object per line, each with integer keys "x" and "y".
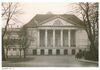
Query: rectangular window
{"x": 65, "y": 52}
{"x": 42, "y": 51}
{"x": 34, "y": 52}
{"x": 73, "y": 51}
{"x": 58, "y": 52}
{"x": 50, "y": 51}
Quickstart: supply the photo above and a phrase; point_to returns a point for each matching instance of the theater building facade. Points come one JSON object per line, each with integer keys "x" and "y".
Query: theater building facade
{"x": 56, "y": 34}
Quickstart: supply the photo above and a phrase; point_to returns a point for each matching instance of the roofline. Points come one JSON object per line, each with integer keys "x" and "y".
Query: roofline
{"x": 56, "y": 15}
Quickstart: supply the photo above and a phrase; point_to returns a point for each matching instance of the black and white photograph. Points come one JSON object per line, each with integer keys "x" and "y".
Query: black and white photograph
{"x": 50, "y": 34}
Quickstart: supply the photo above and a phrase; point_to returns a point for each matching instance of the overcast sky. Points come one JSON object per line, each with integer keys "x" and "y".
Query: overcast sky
{"x": 31, "y": 9}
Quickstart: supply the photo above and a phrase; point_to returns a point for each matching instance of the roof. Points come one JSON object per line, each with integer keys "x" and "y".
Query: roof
{"x": 12, "y": 29}
{"x": 35, "y": 21}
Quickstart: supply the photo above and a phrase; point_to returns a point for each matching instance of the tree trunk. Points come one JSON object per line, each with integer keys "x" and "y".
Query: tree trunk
{"x": 3, "y": 54}
{"x": 20, "y": 53}
{"x": 3, "y": 51}
{"x": 6, "y": 53}
{"x": 94, "y": 50}
{"x": 24, "y": 53}
{"x": 92, "y": 46}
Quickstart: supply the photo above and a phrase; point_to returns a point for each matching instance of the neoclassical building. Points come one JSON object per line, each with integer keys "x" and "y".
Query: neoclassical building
{"x": 50, "y": 34}
{"x": 56, "y": 34}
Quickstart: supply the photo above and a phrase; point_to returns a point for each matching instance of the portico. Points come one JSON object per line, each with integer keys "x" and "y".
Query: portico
{"x": 56, "y": 35}
{"x": 56, "y": 38}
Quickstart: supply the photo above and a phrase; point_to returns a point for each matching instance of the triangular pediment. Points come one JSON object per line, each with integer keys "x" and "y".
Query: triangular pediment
{"x": 57, "y": 22}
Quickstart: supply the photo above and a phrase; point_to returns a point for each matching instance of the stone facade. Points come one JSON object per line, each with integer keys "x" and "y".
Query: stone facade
{"x": 55, "y": 35}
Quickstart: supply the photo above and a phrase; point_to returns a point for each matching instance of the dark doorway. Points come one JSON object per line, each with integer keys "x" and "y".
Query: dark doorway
{"x": 50, "y": 52}
{"x": 65, "y": 52}
{"x": 58, "y": 52}
{"x": 80, "y": 50}
{"x": 42, "y": 52}
{"x": 73, "y": 51}
{"x": 35, "y": 52}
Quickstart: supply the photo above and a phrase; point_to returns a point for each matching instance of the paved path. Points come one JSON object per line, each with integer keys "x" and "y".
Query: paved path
{"x": 48, "y": 61}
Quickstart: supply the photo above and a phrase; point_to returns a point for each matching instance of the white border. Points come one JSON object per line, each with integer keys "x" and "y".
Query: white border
{"x": 49, "y": 0}
{"x": 0, "y": 39}
{"x": 47, "y": 68}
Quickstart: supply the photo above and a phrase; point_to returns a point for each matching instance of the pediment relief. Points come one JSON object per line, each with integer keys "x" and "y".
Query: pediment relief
{"x": 57, "y": 22}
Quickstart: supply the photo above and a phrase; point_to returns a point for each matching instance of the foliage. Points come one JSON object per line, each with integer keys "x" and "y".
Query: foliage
{"x": 88, "y": 55}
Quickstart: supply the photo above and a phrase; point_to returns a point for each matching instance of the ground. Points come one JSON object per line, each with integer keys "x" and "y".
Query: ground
{"x": 47, "y": 61}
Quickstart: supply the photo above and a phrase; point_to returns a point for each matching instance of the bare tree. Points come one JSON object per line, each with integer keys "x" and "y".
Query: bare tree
{"x": 25, "y": 41}
{"x": 9, "y": 13}
{"x": 89, "y": 12}
{"x": 6, "y": 42}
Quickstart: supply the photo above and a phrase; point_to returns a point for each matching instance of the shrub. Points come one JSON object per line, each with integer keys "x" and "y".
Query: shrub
{"x": 89, "y": 55}
{"x": 79, "y": 55}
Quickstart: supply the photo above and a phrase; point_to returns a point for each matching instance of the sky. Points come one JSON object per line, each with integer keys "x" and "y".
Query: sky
{"x": 31, "y": 9}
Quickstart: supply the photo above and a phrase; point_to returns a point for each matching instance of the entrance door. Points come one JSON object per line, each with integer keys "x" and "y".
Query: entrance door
{"x": 42, "y": 52}
{"x": 73, "y": 51}
{"x": 50, "y": 52}
{"x": 34, "y": 52}
{"x": 58, "y": 52}
{"x": 65, "y": 52}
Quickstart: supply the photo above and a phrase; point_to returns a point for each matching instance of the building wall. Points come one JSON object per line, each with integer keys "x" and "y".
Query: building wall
{"x": 81, "y": 43}
{"x": 32, "y": 36}
{"x": 32, "y": 33}
{"x": 81, "y": 39}
{"x": 32, "y": 39}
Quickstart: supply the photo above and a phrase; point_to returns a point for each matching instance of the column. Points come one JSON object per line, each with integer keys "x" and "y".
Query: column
{"x": 69, "y": 43}
{"x": 53, "y": 38}
{"x": 69, "y": 38}
{"x": 38, "y": 38}
{"x": 61, "y": 38}
{"x": 45, "y": 38}
{"x": 75, "y": 38}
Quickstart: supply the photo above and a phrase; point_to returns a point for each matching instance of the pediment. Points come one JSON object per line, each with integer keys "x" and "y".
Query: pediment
{"x": 57, "y": 22}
